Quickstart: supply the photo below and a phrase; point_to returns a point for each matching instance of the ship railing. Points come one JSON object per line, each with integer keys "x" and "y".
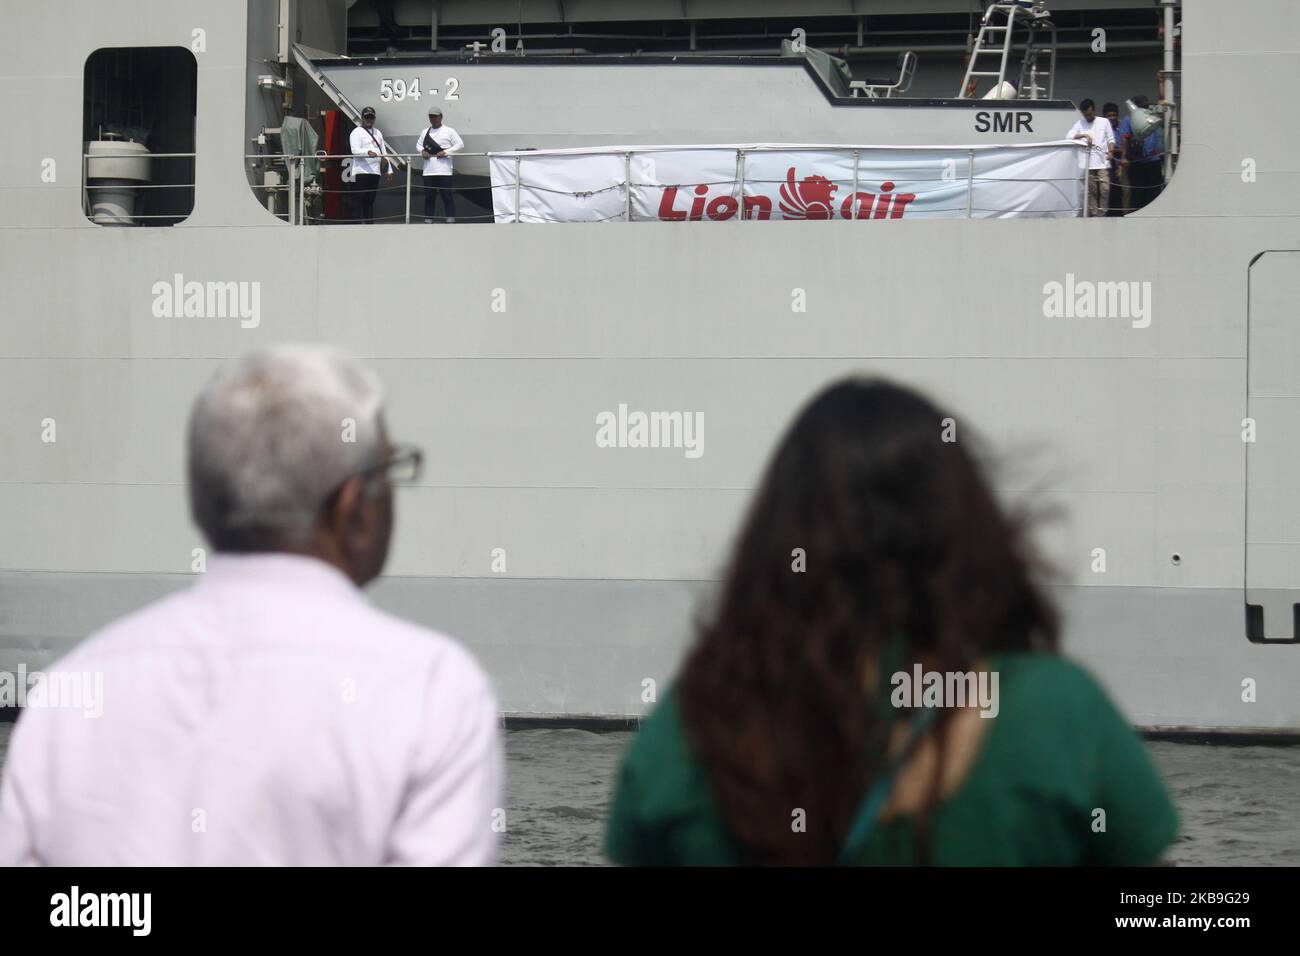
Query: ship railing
{"x": 302, "y": 197}
{"x": 89, "y": 189}
{"x": 305, "y": 195}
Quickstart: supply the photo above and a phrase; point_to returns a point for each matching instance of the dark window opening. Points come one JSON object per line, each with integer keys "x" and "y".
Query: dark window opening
{"x": 138, "y": 135}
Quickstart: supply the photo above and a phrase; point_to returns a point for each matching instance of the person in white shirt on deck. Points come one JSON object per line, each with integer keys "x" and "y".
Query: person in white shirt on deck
{"x": 269, "y": 714}
{"x": 1097, "y": 133}
{"x": 436, "y": 143}
{"x": 368, "y": 164}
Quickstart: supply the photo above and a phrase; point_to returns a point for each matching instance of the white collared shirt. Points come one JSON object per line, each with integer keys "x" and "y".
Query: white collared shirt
{"x": 361, "y": 144}
{"x": 1103, "y": 138}
{"x": 268, "y": 715}
{"x": 449, "y": 140}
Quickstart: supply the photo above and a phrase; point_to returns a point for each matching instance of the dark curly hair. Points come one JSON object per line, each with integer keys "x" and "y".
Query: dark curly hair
{"x": 902, "y": 537}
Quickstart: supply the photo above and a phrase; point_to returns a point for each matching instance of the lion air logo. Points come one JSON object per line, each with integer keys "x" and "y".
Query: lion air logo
{"x": 812, "y": 197}
{"x": 808, "y": 198}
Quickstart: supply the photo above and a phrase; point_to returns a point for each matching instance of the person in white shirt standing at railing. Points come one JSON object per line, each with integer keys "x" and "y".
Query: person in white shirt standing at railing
{"x": 1096, "y": 131}
{"x": 368, "y": 164}
{"x": 437, "y": 142}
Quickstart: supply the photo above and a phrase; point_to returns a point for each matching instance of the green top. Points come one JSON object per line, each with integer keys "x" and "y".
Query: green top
{"x": 1057, "y": 752}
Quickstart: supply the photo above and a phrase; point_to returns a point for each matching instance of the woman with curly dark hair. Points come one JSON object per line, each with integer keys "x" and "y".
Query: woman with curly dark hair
{"x": 874, "y": 552}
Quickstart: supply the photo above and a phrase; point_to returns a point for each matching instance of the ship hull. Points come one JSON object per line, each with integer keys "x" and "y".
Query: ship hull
{"x": 574, "y": 650}
{"x": 574, "y": 570}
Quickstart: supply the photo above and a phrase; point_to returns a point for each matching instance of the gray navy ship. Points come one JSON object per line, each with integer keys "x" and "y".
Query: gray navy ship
{"x": 1137, "y": 375}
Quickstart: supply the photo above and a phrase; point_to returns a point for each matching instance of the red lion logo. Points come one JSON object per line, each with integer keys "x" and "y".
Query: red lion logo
{"x": 809, "y": 198}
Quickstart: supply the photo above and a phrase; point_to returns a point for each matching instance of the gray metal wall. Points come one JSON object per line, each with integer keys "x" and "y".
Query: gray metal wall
{"x": 508, "y": 12}
{"x": 1114, "y": 76}
{"x": 1136, "y": 432}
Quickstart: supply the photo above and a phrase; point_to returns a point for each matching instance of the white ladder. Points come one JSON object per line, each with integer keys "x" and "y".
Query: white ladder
{"x": 1030, "y": 87}
{"x": 996, "y": 38}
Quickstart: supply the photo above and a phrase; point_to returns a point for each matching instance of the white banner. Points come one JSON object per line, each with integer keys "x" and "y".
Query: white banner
{"x": 698, "y": 183}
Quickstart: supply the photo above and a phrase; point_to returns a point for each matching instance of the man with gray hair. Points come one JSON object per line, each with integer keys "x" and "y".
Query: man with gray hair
{"x": 270, "y": 715}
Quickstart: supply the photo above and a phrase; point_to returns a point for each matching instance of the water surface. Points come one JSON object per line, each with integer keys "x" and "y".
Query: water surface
{"x": 1240, "y": 805}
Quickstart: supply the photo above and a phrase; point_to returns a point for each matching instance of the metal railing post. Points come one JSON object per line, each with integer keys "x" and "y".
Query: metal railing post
{"x": 627, "y": 187}
{"x": 740, "y": 183}
{"x": 856, "y": 201}
{"x": 409, "y": 165}
{"x": 516, "y": 189}
{"x": 1086, "y": 185}
{"x": 302, "y": 191}
{"x": 970, "y": 181}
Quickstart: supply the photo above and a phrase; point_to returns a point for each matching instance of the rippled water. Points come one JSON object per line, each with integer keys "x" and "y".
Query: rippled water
{"x": 558, "y": 784}
{"x": 1238, "y": 804}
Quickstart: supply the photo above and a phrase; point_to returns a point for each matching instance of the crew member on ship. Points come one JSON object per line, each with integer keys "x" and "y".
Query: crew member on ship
{"x": 437, "y": 142}
{"x": 1144, "y": 158}
{"x": 368, "y": 164}
{"x": 1096, "y": 131}
{"x": 1119, "y": 191}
